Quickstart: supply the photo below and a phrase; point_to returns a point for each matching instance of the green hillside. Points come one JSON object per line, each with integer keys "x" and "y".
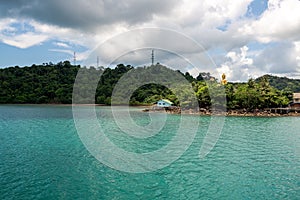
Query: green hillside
{"x": 282, "y": 83}
{"x": 53, "y": 83}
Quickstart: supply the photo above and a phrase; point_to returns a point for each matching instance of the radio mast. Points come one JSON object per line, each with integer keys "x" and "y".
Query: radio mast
{"x": 152, "y": 57}
{"x": 74, "y": 58}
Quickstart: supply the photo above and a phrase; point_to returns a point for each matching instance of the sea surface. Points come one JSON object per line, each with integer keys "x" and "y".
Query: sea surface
{"x": 43, "y": 157}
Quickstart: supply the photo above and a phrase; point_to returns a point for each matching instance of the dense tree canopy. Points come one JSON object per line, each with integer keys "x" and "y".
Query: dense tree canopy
{"x": 53, "y": 83}
{"x": 282, "y": 83}
{"x": 45, "y": 83}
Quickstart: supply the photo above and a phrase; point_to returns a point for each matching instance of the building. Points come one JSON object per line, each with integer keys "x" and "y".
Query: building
{"x": 296, "y": 101}
{"x": 296, "y": 98}
{"x": 164, "y": 103}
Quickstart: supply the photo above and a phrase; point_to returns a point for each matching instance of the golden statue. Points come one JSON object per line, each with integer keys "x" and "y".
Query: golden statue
{"x": 223, "y": 81}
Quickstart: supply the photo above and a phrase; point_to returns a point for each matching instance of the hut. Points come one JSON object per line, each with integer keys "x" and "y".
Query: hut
{"x": 164, "y": 103}
{"x": 296, "y": 101}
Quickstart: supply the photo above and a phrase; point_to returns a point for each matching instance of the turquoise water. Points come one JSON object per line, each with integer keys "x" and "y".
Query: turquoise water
{"x": 42, "y": 157}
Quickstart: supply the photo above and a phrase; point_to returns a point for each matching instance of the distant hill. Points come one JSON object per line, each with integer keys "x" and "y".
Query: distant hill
{"x": 53, "y": 83}
{"x": 282, "y": 83}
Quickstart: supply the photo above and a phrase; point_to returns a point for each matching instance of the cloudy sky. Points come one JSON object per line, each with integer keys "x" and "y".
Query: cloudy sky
{"x": 244, "y": 38}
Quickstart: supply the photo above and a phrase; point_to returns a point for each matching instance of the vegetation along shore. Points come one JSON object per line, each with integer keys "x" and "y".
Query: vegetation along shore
{"x": 53, "y": 84}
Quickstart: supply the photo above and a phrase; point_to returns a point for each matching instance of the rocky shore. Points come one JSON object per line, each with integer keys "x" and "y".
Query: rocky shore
{"x": 241, "y": 112}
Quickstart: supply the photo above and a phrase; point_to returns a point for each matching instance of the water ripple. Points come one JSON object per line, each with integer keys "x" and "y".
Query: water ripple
{"x": 43, "y": 158}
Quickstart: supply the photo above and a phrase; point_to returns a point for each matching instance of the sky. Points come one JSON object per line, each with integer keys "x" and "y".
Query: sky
{"x": 244, "y": 38}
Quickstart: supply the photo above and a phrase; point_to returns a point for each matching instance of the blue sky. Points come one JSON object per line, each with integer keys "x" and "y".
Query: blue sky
{"x": 257, "y": 7}
{"x": 245, "y": 38}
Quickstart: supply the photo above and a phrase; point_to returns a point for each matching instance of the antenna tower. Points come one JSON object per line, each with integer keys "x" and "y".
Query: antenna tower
{"x": 152, "y": 57}
{"x": 74, "y": 58}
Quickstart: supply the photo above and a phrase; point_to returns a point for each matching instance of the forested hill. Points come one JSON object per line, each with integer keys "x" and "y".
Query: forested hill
{"x": 53, "y": 83}
{"x": 48, "y": 83}
{"x": 282, "y": 83}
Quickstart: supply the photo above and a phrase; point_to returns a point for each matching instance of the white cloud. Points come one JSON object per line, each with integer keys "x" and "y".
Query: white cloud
{"x": 5, "y": 24}
{"x": 279, "y": 58}
{"x": 24, "y": 40}
{"x": 197, "y": 19}
{"x": 67, "y": 51}
{"x": 208, "y": 13}
{"x": 238, "y": 67}
{"x": 90, "y": 22}
{"x": 280, "y": 21}
{"x": 297, "y": 52}
{"x": 61, "y": 44}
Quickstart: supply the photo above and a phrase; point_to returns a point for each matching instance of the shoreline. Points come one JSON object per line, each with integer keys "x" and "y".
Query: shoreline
{"x": 48, "y": 104}
{"x": 58, "y": 104}
{"x": 229, "y": 113}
